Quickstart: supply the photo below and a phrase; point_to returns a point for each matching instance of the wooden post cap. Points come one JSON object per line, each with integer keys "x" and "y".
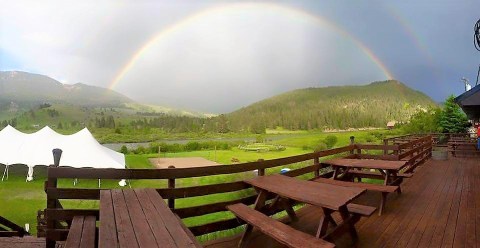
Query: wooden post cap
{"x": 57, "y": 154}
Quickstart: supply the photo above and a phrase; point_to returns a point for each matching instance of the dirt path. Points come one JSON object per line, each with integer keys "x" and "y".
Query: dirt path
{"x": 161, "y": 163}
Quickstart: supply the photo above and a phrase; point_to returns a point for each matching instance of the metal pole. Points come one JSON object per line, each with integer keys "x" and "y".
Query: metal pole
{"x": 5, "y": 171}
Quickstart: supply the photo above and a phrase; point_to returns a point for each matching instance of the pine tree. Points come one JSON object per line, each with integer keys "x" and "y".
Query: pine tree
{"x": 452, "y": 118}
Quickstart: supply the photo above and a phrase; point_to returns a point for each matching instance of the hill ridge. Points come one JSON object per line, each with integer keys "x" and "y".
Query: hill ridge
{"x": 370, "y": 105}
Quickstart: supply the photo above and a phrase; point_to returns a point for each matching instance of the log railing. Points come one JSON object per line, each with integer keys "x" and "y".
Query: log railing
{"x": 439, "y": 139}
{"x": 57, "y": 217}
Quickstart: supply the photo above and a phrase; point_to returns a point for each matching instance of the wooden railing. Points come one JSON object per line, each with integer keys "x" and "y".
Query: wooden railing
{"x": 416, "y": 152}
{"x": 439, "y": 139}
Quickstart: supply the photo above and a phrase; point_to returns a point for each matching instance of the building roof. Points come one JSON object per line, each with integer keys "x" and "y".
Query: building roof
{"x": 469, "y": 101}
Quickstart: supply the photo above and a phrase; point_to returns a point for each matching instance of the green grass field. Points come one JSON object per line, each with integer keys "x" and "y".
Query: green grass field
{"x": 20, "y": 200}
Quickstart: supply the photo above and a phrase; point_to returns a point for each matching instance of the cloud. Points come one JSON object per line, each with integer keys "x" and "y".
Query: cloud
{"x": 237, "y": 55}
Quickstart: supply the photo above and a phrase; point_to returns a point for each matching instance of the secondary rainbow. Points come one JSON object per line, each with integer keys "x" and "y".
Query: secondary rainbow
{"x": 286, "y": 10}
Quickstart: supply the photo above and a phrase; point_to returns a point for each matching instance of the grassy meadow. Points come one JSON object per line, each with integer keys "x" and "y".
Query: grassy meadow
{"x": 20, "y": 200}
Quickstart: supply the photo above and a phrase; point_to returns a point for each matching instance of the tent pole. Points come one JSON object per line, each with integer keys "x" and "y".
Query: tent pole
{"x": 4, "y": 172}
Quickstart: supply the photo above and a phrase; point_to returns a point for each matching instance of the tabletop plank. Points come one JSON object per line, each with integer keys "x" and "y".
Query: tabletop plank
{"x": 367, "y": 163}
{"x": 182, "y": 239}
{"x": 75, "y": 232}
{"x": 155, "y": 220}
{"x": 143, "y": 232}
{"x": 140, "y": 218}
{"x": 314, "y": 193}
{"x": 125, "y": 232}
{"x": 108, "y": 229}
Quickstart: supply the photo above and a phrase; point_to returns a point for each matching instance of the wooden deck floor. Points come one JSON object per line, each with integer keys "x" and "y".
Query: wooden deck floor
{"x": 25, "y": 242}
{"x": 439, "y": 207}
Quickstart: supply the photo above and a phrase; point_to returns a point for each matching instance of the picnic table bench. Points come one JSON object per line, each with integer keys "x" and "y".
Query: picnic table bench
{"x": 289, "y": 190}
{"x": 140, "y": 218}
{"x": 281, "y": 232}
{"x": 388, "y": 171}
{"x": 383, "y": 189}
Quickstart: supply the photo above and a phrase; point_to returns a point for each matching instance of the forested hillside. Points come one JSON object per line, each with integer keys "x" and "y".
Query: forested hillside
{"x": 336, "y": 107}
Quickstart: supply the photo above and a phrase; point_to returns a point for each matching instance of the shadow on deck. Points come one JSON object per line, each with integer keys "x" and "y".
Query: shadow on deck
{"x": 439, "y": 206}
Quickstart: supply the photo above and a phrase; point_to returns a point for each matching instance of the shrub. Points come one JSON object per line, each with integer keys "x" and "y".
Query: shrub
{"x": 377, "y": 135}
{"x": 154, "y": 147}
{"x": 124, "y": 149}
{"x": 369, "y": 138}
{"x": 192, "y": 146}
{"x": 330, "y": 141}
{"x": 320, "y": 147}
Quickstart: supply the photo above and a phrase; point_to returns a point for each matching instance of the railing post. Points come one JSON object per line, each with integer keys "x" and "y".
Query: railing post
{"x": 385, "y": 150}
{"x": 261, "y": 171}
{"x": 316, "y": 163}
{"x": 171, "y": 185}
{"x": 352, "y": 142}
{"x": 51, "y": 202}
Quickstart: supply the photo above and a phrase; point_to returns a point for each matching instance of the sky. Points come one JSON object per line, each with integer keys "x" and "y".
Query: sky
{"x": 218, "y": 56}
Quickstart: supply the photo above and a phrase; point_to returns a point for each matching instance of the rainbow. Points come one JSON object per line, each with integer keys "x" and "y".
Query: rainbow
{"x": 288, "y": 11}
{"x": 413, "y": 36}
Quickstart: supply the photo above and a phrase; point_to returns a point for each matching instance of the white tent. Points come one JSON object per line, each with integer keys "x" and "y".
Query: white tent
{"x": 10, "y": 141}
{"x": 79, "y": 150}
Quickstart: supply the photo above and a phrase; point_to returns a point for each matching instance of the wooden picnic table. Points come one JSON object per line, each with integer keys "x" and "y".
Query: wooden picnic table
{"x": 329, "y": 198}
{"x": 388, "y": 169}
{"x": 140, "y": 218}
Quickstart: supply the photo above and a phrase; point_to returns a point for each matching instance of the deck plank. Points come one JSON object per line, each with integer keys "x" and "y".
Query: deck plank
{"x": 143, "y": 232}
{"x": 425, "y": 229}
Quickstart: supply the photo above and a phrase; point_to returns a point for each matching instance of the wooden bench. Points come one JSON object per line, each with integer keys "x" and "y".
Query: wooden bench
{"x": 361, "y": 209}
{"x": 376, "y": 175}
{"x": 82, "y": 232}
{"x": 384, "y": 189}
{"x": 284, "y": 234}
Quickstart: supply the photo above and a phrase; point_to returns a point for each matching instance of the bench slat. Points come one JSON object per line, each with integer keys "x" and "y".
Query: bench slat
{"x": 361, "y": 209}
{"x": 367, "y": 186}
{"x": 376, "y": 174}
{"x": 276, "y": 229}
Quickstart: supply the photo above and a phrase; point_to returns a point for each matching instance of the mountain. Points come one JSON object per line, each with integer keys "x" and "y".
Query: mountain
{"x": 335, "y": 107}
{"x": 25, "y": 88}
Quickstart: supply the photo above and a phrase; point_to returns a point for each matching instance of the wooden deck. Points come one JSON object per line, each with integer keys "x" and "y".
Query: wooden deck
{"x": 439, "y": 206}
{"x": 24, "y": 242}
